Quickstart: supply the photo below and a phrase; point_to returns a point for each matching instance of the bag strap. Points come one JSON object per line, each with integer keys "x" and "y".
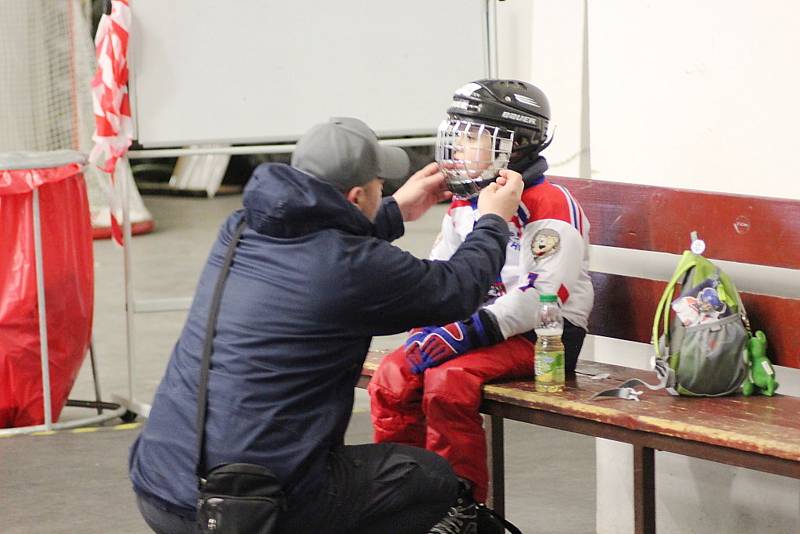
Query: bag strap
{"x": 208, "y": 345}
{"x": 742, "y": 311}
{"x": 666, "y": 376}
{"x": 507, "y": 525}
{"x": 662, "y": 368}
{"x": 688, "y": 261}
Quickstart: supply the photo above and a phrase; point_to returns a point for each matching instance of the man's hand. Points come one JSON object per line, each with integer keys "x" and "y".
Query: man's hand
{"x": 503, "y": 196}
{"x": 424, "y": 189}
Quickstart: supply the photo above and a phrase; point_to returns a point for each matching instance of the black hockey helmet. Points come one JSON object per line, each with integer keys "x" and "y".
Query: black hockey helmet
{"x": 491, "y": 125}
{"x": 518, "y": 106}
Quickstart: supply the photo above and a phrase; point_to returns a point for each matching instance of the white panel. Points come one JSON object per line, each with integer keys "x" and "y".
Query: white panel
{"x": 696, "y": 95}
{"x": 206, "y": 71}
{"x": 776, "y": 281}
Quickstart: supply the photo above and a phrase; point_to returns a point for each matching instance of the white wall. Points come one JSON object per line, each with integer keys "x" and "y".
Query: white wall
{"x": 681, "y": 94}
{"x": 197, "y": 76}
{"x": 542, "y": 42}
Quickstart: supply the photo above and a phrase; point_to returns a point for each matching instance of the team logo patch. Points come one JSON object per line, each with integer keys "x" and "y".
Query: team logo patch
{"x": 545, "y": 243}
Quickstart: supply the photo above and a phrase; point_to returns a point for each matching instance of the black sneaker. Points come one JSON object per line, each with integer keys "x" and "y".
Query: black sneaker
{"x": 462, "y": 518}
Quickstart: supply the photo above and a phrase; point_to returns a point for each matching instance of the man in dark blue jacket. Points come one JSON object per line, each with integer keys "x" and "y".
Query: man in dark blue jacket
{"x": 313, "y": 278}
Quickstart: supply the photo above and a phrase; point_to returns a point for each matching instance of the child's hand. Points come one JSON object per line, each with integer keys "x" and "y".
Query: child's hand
{"x": 434, "y": 345}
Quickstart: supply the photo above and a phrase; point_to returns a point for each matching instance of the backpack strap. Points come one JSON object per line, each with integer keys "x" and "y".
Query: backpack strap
{"x": 742, "y": 311}
{"x": 666, "y": 375}
{"x": 688, "y": 261}
{"x": 507, "y": 525}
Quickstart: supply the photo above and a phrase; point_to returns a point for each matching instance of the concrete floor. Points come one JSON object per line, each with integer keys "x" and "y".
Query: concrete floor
{"x": 76, "y": 481}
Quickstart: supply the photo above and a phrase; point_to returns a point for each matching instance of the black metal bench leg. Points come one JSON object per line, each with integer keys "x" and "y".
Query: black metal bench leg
{"x": 496, "y": 461}
{"x": 95, "y": 378}
{"x": 644, "y": 490}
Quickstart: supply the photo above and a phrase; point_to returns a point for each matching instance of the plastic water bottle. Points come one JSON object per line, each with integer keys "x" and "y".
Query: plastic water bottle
{"x": 549, "y": 362}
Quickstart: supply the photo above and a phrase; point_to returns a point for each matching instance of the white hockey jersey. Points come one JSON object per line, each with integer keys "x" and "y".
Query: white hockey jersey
{"x": 548, "y": 252}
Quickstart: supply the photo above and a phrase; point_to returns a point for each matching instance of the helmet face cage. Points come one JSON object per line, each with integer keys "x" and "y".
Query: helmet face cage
{"x": 471, "y": 154}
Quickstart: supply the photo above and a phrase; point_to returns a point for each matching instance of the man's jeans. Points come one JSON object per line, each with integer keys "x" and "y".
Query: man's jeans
{"x": 368, "y": 489}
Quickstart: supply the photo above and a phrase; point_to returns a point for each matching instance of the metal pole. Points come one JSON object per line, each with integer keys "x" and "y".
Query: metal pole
{"x": 95, "y": 378}
{"x": 491, "y": 37}
{"x": 585, "y": 162}
{"x": 255, "y": 149}
{"x": 117, "y": 412}
{"x": 126, "y": 253}
{"x": 42, "y": 311}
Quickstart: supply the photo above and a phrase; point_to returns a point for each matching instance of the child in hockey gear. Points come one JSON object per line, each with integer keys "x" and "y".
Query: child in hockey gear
{"x": 427, "y": 392}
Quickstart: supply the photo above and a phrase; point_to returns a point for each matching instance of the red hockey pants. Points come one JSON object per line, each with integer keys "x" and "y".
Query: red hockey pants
{"x": 438, "y": 410}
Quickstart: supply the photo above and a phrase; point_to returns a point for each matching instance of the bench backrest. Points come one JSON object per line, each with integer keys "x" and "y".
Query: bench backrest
{"x": 744, "y": 229}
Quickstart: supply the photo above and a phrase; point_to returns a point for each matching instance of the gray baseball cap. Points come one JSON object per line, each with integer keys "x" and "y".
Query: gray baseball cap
{"x": 345, "y": 153}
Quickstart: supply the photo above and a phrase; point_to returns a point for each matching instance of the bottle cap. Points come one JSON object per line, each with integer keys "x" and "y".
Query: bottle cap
{"x": 547, "y": 297}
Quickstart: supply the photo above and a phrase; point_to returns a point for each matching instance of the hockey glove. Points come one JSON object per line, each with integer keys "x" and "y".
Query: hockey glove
{"x": 434, "y": 345}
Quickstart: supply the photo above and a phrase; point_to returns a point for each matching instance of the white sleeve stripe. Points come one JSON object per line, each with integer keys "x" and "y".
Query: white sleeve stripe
{"x": 578, "y": 212}
{"x": 525, "y": 211}
{"x": 573, "y": 210}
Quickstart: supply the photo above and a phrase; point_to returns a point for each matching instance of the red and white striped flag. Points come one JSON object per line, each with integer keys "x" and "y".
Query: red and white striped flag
{"x": 112, "y": 110}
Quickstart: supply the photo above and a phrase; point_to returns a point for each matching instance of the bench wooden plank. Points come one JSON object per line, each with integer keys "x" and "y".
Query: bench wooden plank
{"x": 758, "y": 230}
{"x": 625, "y": 306}
{"x": 661, "y": 442}
{"x": 713, "y": 421}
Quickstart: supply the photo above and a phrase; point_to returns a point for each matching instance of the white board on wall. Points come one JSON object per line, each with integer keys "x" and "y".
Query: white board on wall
{"x": 208, "y": 71}
{"x": 695, "y": 94}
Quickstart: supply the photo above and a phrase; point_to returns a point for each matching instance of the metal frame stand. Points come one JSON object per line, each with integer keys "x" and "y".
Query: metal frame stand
{"x": 133, "y": 406}
{"x": 115, "y": 409}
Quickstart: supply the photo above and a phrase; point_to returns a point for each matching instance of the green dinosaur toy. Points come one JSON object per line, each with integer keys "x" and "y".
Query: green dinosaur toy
{"x": 761, "y": 376}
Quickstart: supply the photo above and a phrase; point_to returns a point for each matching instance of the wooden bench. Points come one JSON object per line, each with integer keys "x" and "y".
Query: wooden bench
{"x": 760, "y": 433}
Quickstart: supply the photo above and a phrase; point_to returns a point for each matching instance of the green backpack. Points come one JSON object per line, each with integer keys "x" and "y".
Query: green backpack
{"x": 706, "y": 351}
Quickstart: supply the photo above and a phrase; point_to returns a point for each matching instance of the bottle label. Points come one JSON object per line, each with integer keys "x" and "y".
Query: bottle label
{"x": 549, "y": 366}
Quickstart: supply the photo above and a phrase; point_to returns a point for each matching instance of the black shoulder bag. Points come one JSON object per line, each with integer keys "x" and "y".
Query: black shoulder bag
{"x": 234, "y": 498}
